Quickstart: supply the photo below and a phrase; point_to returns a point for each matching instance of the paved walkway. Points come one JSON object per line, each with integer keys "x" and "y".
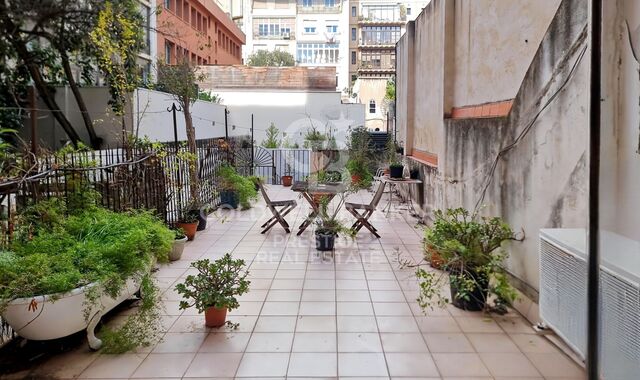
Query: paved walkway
{"x": 349, "y": 316}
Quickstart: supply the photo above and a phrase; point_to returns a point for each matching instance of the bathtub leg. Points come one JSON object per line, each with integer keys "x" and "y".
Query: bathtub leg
{"x": 94, "y": 342}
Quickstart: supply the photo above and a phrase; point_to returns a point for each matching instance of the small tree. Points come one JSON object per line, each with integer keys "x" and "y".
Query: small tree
{"x": 276, "y": 58}
{"x": 272, "y": 140}
{"x": 180, "y": 80}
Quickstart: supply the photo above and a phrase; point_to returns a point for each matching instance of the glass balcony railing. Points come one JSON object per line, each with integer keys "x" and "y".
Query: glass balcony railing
{"x": 319, "y": 6}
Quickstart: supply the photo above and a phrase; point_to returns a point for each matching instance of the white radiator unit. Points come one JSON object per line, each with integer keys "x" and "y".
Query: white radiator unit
{"x": 563, "y": 296}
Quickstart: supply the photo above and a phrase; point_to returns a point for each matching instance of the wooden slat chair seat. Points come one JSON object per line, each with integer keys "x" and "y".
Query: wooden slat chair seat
{"x": 362, "y": 212}
{"x": 279, "y": 209}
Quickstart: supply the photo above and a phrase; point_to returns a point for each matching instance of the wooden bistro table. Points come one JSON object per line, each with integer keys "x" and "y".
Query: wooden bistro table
{"x": 313, "y": 193}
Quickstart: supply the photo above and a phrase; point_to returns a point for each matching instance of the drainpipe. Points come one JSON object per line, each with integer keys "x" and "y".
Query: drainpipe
{"x": 593, "y": 289}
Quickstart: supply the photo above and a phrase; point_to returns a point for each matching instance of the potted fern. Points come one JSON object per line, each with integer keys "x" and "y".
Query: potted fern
{"x": 213, "y": 290}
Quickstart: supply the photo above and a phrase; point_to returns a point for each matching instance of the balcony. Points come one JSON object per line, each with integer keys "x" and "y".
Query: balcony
{"x": 319, "y": 7}
{"x": 370, "y": 20}
{"x": 362, "y": 43}
{"x": 373, "y": 68}
{"x": 277, "y": 37}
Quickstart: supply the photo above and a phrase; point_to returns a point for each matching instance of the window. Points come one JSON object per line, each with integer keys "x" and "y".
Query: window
{"x": 145, "y": 11}
{"x": 380, "y": 35}
{"x": 329, "y": 3}
{"x": 408, "y": 11}
{"x": 372, "y": 106}
{"x": 168, "y": 52}
{"x": 310, "y": 53}
{"x": 307, "y": 3}
{"x": 353, "y": 57}
{"x": 354, "y": 12}
{"x": 332, "y": 28}
{"x": 310, "y": 29}
{"x": 354, "y": 34}
{"x": 276, "y": 28}
{"x": 167, "y": 4}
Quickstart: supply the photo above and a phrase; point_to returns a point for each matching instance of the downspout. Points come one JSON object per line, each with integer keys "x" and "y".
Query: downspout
{"x": 593, "y": 288}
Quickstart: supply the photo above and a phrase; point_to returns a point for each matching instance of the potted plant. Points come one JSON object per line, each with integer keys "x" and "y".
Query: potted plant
{"x": 287, "y": 178}
{"x": 396, "y": 168}
{"x": 178, "y": 244}
{"x": 214, "y": 288}
{"x": 188, "y": 222}
{"x": 328, "y": 225}
{"x": 359, "y": 146}
{"x": 469, "y": 247}
{"x": 71, "y": 267}
{"x": 235, "y": 189}
{"x": 314, "y": 139}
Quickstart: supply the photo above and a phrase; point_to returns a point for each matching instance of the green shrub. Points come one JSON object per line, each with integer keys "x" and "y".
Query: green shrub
{"x": 96, "y": 245}
{"x": 230, "y": 180}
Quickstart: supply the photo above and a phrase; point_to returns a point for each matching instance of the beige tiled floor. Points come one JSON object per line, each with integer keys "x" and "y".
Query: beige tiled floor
{"x": 353, "y": 315}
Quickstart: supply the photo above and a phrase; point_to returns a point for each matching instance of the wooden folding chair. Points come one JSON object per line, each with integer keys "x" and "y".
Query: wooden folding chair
{"x": 363, "y": 212}
{"x": 278, "y": 214}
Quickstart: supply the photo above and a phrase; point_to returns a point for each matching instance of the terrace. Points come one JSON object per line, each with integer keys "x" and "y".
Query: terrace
{"x": 350, "y": 314}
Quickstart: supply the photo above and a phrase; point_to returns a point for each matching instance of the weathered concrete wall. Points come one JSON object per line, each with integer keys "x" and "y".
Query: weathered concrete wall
{"x": 495, "y": 41}
{"x": 405, "y": 80}
{"x": 621, "y": 118}
{"x": 107, "y": 125}
{"x": 539, "y": 181}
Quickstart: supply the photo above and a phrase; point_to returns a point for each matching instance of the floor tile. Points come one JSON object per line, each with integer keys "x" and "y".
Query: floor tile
{"x": 318, "y": 295}
{"x": 352, "y": 295}
{"x": 225, "y": 342}
{"x": 438, "y": 325}
{"x": 362, "y": 364}
{"x": 555, "y": 365}
{"x": 411, "y": 364}
{"x": 492, "y": 343}
{"x": 460, "y": 365}
{"x": 214, "y": 365}
{"x": 448, "y": 343}
{"x": 509, "y": 364}
{"x": 316, "y": 324}
{"x": 267, "y": 323}
{"x": 180, "y": 342}
{"x": 534, "y": 344}
{"x": 164, "y": 365}
{"x": 270, "y": 342}
{"x": 284, "y": 295}
{"x": 314, "y": 342}
{"x": 113, "y": 366}
{"x": 359, "y": 342}
{"x": 478, "y": 324}
{"x": 280, "y": 308}
{"x": 317, "y": 308}
{"x": 398, "y": 342}
{"x": 263, "y": 364}
{"x": 397, "y": 324}
{"x": 392, "y": 309}
{"x": 357, "y": 324}
{"x": 312, "y": 365}
{"x": 354, "y": 308}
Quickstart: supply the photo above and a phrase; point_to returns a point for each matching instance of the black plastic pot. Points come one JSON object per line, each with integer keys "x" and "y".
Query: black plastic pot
{"x": 325, "y": 241}
{"x": 414, "y": 174}
{"x": 229, "y": 199}
{"x": 396, "y": 171}
{"x": 202, "y": 220}
{"x": 478, "y": 295}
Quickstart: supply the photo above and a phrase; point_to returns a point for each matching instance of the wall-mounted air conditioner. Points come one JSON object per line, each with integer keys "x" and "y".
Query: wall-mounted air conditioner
{"x": 563, "y": 296}
{"x": 286, "y": 36}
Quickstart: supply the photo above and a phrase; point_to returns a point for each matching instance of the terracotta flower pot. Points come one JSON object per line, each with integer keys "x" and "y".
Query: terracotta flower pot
{"x": 355, "y": 178}
{"x": 435, "y": 260}
{"x": 287, "y": 180}
{"x": 215, "y": 317}
{"x": 189, "y": 229}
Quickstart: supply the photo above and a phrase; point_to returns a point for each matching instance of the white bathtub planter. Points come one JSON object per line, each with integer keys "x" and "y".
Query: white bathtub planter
{"x": 56, "y": 316}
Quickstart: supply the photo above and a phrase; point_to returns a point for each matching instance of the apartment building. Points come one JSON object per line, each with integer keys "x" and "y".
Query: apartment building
{"x": 313, "y": 31}
{"x": 199, "y": 30}
{"x": 374, "y": 28}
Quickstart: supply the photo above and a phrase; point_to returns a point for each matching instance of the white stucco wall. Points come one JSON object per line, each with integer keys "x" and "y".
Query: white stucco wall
{"x": 152, "y": 119}
{"x": 292, "y": 112}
